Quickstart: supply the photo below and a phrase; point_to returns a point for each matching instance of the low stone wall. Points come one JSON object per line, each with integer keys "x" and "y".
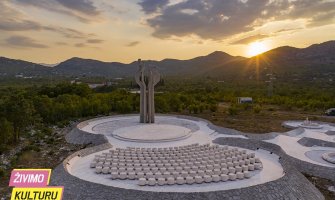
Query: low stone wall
{"x": 77, "y": 136}
{"x": 295, "y": 132}
{"x": 223, "y": 130}
{"x": 309, "y": 142}
{"x": 330, "y": 132}
{"x": 85, "y": 152}
{"x": 219, "y": 129}
{"x": 263, "y": 136}
{"x": 293, "y": 185}
{"x": 284, "y": 124}
{"x": 286, "y": 160}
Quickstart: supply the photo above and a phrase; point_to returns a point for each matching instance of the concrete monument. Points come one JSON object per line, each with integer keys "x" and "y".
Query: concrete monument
{"x": 147, "y": 79}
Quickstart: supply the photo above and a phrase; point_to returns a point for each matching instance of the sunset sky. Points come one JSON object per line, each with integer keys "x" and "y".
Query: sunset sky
{"x": 51, "y": 31}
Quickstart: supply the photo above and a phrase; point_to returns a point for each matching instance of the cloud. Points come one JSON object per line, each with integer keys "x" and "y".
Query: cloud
{"x": 250, "y": 39}
{"x": 80, "y": 45}
{"x": 218, "y": 19}
{"x": 26, "y": 25}
{"x": 18, "y": 25}
{"x": 84, "y": 10}
{"x": 151, "y": 6}
{"x": 132, "y": 44}
{"x": 22, "y": 41}
{"x": 69, "y": 32}
{"x": 83, "y": 6}
{"x": 61, "y": 43}
{"x": 322, "y": 19}
{"x": 13, "y": 20}
{"x": 94, "y": 41}
{"x": 287, "y": 29}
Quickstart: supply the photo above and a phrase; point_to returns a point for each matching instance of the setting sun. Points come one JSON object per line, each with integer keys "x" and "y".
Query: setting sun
{"x": 256, "y": 48}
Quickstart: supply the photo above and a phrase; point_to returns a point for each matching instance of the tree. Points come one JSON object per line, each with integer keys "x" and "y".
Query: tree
{"x": 7, "y": 131}
{"x": 161, "y": 105}
{"x": 45, "y": 108}
{"x": 175, "y": 103}
{"x": 20, "y": 112}
{"x": 123, "y": 106}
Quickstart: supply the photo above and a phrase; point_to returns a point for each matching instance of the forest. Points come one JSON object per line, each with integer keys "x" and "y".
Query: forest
{"x": 35, "y": 108}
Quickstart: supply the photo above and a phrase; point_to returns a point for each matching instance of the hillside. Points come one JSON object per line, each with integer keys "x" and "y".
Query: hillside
{"x": 11, "y": 67}
{"x": 315, "y": 60}
{"x": 88, "y": 67}
{"x": 311, "y": 63}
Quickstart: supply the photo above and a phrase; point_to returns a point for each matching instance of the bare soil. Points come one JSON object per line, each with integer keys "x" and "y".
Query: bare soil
{"x": 269, "y": 119}
{"x": 45, "y": 154}
{"x": 322, "y": 185}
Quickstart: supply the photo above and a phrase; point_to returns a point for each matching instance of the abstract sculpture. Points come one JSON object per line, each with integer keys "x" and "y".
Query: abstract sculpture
{"x": 147, "y": 79}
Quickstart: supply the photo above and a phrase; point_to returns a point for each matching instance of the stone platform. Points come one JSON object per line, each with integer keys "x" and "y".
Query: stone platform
{"x": 152, "y": 133}
{"x": 278, "y": 178}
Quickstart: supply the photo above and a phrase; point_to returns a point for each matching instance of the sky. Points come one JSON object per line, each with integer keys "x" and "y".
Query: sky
{"x": 51, "y": 31}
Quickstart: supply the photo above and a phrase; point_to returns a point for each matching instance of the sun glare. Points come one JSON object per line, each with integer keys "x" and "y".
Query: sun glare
{"x": 256, "y": 48}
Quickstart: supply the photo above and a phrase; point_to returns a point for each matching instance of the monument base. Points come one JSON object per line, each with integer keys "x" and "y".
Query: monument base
{"x": 152, "y": 133}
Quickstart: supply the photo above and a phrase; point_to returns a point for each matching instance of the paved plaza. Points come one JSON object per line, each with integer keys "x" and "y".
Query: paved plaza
{"x": 181, "y": 155}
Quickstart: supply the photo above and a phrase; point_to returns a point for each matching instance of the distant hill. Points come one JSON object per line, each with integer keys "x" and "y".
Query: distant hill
{"x": 169, "y": 67}
{"x": 313, "y": 62}
{"x": 88, "y": 67}
{"x": 283, "y": 61}
{"x": 11, "y": 67}
{"x": 323, "y": 53}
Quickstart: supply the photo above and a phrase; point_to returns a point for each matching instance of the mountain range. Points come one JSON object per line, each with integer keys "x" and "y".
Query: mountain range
{"x": 315, "y": 61}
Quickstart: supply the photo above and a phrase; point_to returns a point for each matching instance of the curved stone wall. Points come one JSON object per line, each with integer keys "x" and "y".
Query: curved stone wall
{"x": 309, "y": 142}
{"x": 293, "y": 185}
{"x": 77, "y": 136}
{"x": 85, "y": 152}
{"x": 283, "y": 188}
{"x": 286, "y": 125}
{"x": 218, "y": 129}
{"x": 329, "y": 157}
{"x": 263, "y": 136}
{"x": 287, "y": 161}
{"x": 330, "y": 132}
{"x": 76, "y": 189}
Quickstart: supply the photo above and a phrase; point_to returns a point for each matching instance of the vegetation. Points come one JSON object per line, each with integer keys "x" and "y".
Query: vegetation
{"x": 29, "y": 111}
{"x": 33, "y": 109}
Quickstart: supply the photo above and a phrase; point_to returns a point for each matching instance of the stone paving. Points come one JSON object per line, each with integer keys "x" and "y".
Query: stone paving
{"x": 293, "y": 185}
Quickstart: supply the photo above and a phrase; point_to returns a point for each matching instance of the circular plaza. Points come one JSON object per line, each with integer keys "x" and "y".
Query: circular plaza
{"x": 172, "y": 155}
{"x": 180, "y": 157}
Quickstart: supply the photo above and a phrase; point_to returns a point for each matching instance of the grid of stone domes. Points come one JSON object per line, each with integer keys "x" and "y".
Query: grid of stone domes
{"x": 177, "y": 165}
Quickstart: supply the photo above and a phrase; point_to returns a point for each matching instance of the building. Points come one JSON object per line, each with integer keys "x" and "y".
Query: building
{"x": 241, "y": 100}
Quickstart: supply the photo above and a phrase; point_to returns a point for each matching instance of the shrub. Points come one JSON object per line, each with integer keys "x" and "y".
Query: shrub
{"x": 3, "y": 148}
{"x": 271, "y": 109}
{"x": 257, "y": 109}
{"x": 50, "y": 153}
{"x": 213, "y": 107}
{"x": 31, "y": 148}
{"x": 245, "y": 106}
{"x": 13, "y": 161}
{"x": 232, "y": 110}
{"x": 2, "y": 173}
{"x": 50, "y": 141}
{"x": 46, "y": 130}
